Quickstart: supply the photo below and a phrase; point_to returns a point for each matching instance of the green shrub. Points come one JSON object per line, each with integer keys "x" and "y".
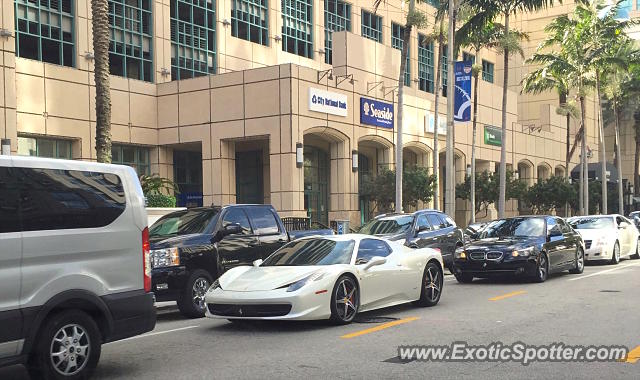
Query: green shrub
{"x": 161, "y": 200}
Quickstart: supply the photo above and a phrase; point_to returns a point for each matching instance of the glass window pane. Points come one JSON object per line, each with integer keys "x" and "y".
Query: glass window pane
{"x": 46, "y": 148}
{"x": 27, "y": 146}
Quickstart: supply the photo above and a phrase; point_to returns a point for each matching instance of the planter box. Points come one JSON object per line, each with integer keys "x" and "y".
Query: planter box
{"x": 155, "y": 213}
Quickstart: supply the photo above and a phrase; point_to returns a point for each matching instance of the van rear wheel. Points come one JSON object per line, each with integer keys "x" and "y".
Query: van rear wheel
{"x": 191, "y": 302}
{"x": 68, "y": 347}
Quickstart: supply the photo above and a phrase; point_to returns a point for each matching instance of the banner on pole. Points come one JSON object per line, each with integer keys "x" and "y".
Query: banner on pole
{"x": 462, "y": 90}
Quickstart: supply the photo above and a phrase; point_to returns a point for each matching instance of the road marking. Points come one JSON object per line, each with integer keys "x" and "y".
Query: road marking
{"x": 633, "y": 356}
{"x": 157, "y": 333}
{"x": 604, "y": 271}
{"x": 380, "y": 327}
{"x": 512, "y": 294}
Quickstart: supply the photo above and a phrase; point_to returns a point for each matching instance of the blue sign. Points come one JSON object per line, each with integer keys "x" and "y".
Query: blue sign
{"x": 376, "y": 113}
{"x": 462, "y": 98}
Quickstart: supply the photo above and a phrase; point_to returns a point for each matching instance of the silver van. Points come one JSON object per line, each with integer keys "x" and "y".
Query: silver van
{"x": 74, "y": 263}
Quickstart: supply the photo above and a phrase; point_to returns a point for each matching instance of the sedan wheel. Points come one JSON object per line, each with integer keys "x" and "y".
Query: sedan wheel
{"x": 543, "y": 269}
{"x": 615, "y": 257}
{"x": 345, "y": 300}
{"x": 432, "y": 282}
{"x": 579, "y": 268}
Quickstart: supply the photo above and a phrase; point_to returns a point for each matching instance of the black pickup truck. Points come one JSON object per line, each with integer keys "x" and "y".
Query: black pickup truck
{"x": 192, "y": 248}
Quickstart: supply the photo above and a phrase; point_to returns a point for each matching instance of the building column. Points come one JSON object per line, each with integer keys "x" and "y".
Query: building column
{"x": 8, "y": 128}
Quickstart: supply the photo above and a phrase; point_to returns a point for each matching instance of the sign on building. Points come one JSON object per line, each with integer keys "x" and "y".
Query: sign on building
{"x": 462, "y": 91}
{"x": 430, "y": 120}
{"x": 492, "y": 136}
{"x": 376, "y": 113}
{"x": 327, "y": 102}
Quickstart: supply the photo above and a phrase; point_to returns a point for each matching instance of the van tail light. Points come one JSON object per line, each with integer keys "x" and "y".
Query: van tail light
{"x": 146, "y": 259}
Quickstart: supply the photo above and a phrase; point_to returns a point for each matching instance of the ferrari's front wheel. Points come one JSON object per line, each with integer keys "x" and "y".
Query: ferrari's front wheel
{"x": 432, "y": 282}
{"x": 345, "y": 300}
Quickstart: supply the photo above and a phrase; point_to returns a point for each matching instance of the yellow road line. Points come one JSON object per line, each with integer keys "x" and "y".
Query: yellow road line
{"x": 633, "y": 356}
{"x": 380, "y": 327}
{"x": 512, "y": 294}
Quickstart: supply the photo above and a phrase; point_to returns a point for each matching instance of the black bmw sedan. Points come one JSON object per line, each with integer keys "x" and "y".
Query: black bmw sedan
{"x": 531, "y": 246}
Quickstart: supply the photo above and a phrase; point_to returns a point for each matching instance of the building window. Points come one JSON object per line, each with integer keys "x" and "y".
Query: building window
{"x": 44, "y": 147}
{"x": 468, "y": 57}
{"x": 134, "y": 156}
{"x": 425, "y": 64}
{"x": 44, "y": 31}
{"x": 487, "y": 71}
{"x": 249, "y": 20}
{"x": 297, "y": 27}
{"x": 337, "y": 17}
{"x": 193, "y": 38}
{"x": 445, "y": 69}
{"x": 397, "y": 40}
{"x": 131, "y": 39}
{"x": 371, "y": 26}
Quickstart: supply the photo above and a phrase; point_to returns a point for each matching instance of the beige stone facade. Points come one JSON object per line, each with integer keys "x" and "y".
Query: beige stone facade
{"x": 259, "y": 102}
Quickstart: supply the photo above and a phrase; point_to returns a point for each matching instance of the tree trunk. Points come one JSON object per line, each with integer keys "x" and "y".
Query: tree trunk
{"x": 563, "y": 100}
{"x": 438, "y": 91}
{"x": 406, "y": 40}
{"x": 618, "y": 160}
{"x": 636, "y": 162}
{"x": 503, "y": 147}
{"x": 603, "y": 155}
{"x": 473, "y": 147}
{"x": 100, "y": 22}
{"x": 450, "y": 197}
{"x": 585, "y": 161}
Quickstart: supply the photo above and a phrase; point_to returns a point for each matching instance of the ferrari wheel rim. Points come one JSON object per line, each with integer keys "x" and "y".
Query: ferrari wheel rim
{"x": 346, "y": 299}
{"x": 433, "y": 283}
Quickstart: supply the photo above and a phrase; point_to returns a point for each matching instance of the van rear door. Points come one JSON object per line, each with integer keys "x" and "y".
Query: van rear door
{"x": 10, "y": 259}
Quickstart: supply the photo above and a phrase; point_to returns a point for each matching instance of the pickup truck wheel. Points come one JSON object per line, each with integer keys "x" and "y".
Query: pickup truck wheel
{"x": 68, "y": 347}
{"x": 191, "y": 303}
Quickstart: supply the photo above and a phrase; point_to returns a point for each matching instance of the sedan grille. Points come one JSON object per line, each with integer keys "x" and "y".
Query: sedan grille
{"x": 494, "y": 255}
{"x": 256, "y": 310}
{"x": 587, "y": 244}
{"x": 476, "y": 255}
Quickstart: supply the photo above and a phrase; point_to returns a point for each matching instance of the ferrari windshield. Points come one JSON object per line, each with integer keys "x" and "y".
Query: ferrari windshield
{"x": 387, "y": 226}
{"x": 591, "y": 223}
{"x": 514, "y": 227}
{"x": 312, "y": 252}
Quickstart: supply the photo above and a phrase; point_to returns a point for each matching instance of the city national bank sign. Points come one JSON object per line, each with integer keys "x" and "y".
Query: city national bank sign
{"x": 376, "y": 113}
{"x": 327, "y": 102}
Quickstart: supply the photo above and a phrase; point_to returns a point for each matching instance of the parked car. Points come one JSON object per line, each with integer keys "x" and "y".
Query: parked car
{"x": 332, "y": 277}
{"x": 193, "y": 247}
{"x": 74, "y": 263}
{"x": 421, "y": 229}
{"x": 607, "y": 237}
{"x": 532, "y": 246}
{"x": 634, "y": 216}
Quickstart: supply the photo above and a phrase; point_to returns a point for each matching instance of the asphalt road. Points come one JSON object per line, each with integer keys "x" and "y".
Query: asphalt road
{"x": 601, "y": 306}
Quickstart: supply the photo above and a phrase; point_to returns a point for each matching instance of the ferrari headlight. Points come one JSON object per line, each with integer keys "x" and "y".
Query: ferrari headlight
{"x": 522, "y": 252}
{"x": 214, "y": 286}
{"x": 302, "y": 282}
{"x": 166, "y": 257}
{"x": 460, "y": 253}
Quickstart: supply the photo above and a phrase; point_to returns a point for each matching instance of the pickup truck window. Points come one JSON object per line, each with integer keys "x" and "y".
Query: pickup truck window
{"x": 183, "y": 223}
{"x": 236, "y": 215}
{"x": 263, "y": 220}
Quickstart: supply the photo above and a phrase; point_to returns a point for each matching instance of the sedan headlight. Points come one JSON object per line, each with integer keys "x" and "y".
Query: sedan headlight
{"x": 166, "y": 257}
{"x": 300, "y": 283}
{"x": 460, "y": 253}
{"x": 522, "y": 252}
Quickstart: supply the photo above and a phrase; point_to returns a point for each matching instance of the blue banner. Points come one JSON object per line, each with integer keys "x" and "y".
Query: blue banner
{"x": 376, "y": 113}
{"x": 462, "y": 90}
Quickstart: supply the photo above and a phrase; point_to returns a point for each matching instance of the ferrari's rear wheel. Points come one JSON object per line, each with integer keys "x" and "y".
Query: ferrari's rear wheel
{"x": 432, "y": 281}
{"x": 345, "y": 300}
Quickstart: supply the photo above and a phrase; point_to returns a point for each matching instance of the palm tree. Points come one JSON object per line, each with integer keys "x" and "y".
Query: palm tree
{"x": 488, "y": 10}
{"x": 415, "y": 18}
{"x": 477, "y": 39}
{"x": 100, "y": 23}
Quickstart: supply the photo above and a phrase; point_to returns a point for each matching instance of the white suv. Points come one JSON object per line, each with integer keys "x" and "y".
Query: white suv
{"x": 74, "y": 263}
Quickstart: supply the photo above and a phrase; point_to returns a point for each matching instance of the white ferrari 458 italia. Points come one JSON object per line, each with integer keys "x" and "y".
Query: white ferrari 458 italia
{"x": 328, "y": 277}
